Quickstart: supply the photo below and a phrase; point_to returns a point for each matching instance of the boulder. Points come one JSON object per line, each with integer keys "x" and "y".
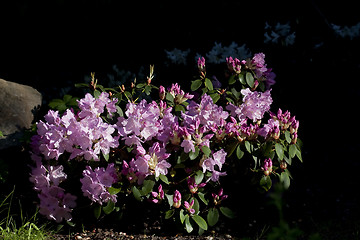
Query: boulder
{"x": 18, "y": 104}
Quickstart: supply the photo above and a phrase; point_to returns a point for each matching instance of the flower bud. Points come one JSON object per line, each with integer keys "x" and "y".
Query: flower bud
{"x": 201, "y": 64}
{"x": 177, "y": 199}
{"x": 283, "y": 165}
{"x": 161, "y": 92}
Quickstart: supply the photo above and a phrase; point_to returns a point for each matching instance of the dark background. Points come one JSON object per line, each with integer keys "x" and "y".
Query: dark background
{"x": 47, "y": 43}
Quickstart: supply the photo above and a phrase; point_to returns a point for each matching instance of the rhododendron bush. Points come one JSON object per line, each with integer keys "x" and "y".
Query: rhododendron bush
{"x": 164, "y": 145}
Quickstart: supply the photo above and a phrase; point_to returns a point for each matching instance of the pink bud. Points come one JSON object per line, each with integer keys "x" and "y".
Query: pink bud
{"x": 177, "y": 199}
{"x": 162, "y": 93}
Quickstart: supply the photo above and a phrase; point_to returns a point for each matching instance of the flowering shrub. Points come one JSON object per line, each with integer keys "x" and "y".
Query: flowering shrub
{"x": 172, "y": 152}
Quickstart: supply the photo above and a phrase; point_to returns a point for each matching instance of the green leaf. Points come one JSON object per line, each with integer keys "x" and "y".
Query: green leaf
{"x": 241, "y": 78}
{"x": 249, "y": 147}
{"x": 200, "y": 222}
{"x": 106, "y": 156}
{"x": 96, "y": 93}
{"x": 147, "y": 187}
{"x": 202, "y": 198}
{"x": 80, "y": 85}
{"x": 266, "y": 182}
{"x": 230, "y": 148}
{"x": 182, "y": 216}
{"x": 199, "y": 176}
{"x": 208, "y": 84}
{"x": 109, "y": 207}
{"x": 170, "y": 198}
{"x": 97, "y": 211}
{"x": 212, "y": 216}
{"x": 113, "y": 191}
{"x": 196, "y": 84}
{"x": 235, "y": 93}
{"x": 206, "y": 150}
{"x": 136, "y": 193}
{"x": 57, "y": 104}
{"x": 288, "y": 137}
{"x": 140, "y": 85}
{"x": 279, "y": 151}
{"x": 147, "y": 89}
{"x": 215, "y": 97}
{"x": 298, "y": 154}
{"x": 292, "y": 150}
{"x": 284, "y": 178}
{"x": 288, "y": 160}
{"x": 169, "y": 213}
{"x": 249, "y": 79}
{"x": 239, "y": 152}
{"x": 193, "y": 155}
{"x": 179, "y": 108}
{"x": 196, "y": 205}
{"x": 227, "y": 212}
{"x": 169, "y": 97}
{"x": 232, "y": 79}
{"x": 188, "y": 226}
{"x": 164, "y": 179}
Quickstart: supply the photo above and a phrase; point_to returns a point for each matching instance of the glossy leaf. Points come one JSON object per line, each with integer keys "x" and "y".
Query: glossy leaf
{"x": 212, "y": 216}
{"x": 188, "y": 225}
{"x": 202, "y": 198}
{"x": 113, "y": 190}
{"x": 208, "y": 84}
{"x": 288, "y": 137}
{"x": 169, "y": 213}
{"x": 285, "y": 179}
{"x": 227, "y": 212}
{"x": 215, "y": 97}
{"x": 249, "y": 79}
{"x": 200, "y": 222}
{"x": 206, "y": 150}
{"x": 232, "y": 79}
{"x": 147, "y": 187}
{"x": 164, "y": 179}
{"x": 182, "y": 216}
{"x": 110, "y": 206}
{"x": 292, "y": 150}
{"x": 199, "y": 176}
{"x": 239, "y": 152}
{"x": 279, "y": 151}
{"x": 194, "y": 155}
{"x": 249, "y": 147}
{"x": 265, "y": 182}
{"x": 196, "y": 84}
{"x": 136, "y": 193}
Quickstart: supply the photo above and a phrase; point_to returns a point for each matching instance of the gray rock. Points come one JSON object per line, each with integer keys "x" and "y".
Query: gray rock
{"x": 17, "y": 106}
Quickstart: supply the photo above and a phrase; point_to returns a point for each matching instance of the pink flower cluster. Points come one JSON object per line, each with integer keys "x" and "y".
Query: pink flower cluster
{"x": 95, "y": 183}
{"x": 257, "y": 64}
{"x": 82, "y": 135}
{"x": 254, "y": 105}
{"x": 54, "y": 202}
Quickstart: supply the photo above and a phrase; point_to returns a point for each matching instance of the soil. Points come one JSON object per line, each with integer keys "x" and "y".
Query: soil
{"x": 103, "y": 234}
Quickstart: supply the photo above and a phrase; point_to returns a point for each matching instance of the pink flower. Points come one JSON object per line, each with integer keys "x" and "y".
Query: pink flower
{"x": 153, "y": 162}
{"x": 189, "y": 206}
{"x": 234, "y": 65}
{"x": 254, "y": 105}
{"x": 95, "y": 183}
